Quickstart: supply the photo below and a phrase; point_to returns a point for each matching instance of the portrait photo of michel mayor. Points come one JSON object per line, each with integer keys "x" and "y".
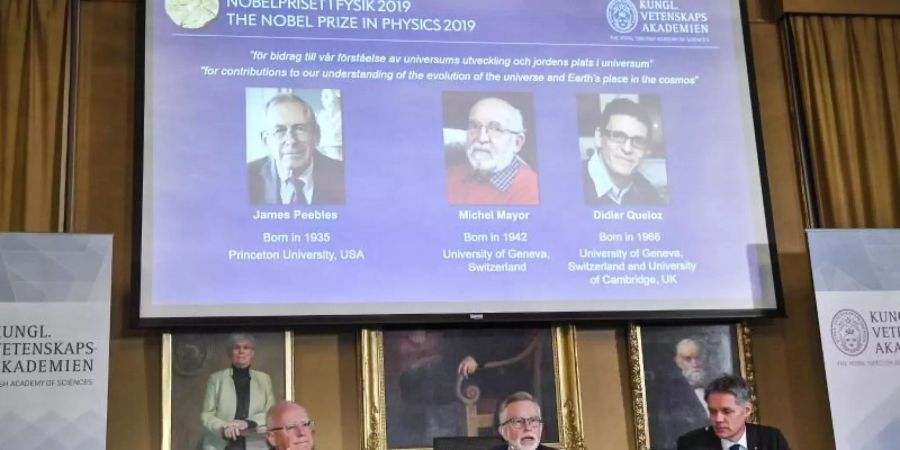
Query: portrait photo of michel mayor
{"x": 449, "y": 382}
{"x": 221, "y": 386}
{"x": 679, "y": 361}
{"x": 623, "y": 156}
{"x": 489, "y": 148}
{"x": 295, "y": 152}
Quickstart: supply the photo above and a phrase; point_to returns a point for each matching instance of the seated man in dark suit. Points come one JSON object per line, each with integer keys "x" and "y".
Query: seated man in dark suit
{"x": 728, "y": 401}
{"x": 622, "y": 138}
{"x": 520, "y": 423}
{"x": 294, "y": 172}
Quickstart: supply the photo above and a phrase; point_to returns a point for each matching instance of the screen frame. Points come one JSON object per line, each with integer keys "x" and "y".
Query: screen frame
{"x": 313, "y": 321}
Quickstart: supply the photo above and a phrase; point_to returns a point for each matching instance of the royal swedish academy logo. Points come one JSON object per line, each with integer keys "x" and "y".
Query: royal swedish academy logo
{"x": 849, "y": 332}
{"x": 622, "y": 15}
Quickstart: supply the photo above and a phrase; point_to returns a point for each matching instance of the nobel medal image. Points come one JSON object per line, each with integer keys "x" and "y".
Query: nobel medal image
{"x": 192, "y": 14}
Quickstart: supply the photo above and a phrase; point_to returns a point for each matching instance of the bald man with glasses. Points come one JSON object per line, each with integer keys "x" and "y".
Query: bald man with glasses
{"x": 288, "y": 427}
{"x": 622, "y": 138}
{"x": 494, "y": 173}
{"x": 521, "y": 424}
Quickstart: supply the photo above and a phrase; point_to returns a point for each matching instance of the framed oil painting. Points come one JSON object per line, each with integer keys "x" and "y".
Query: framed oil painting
{"x": 422, "y": 384}
{"x": 217, "y": 388}
{"x": 670, "y": 366}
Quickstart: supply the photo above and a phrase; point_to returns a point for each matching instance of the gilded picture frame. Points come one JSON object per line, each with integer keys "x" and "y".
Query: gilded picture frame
{"x": 190, "y": 363}
{"x": 658, "y": 366}
{"x": 378, "y": 392}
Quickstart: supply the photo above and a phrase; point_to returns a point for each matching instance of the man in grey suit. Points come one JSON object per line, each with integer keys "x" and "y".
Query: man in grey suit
{"x": 728, "y": 401}
{"x": 294, "y": 172}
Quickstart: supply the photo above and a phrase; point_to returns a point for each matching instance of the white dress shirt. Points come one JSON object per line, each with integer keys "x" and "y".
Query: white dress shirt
{"x": 602, "y": 182}
{"x": 726, "y": 444}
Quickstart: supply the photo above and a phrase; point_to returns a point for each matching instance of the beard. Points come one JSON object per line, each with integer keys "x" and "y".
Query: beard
{"x": 695, "y": 376}
{"x": 526, "y": 444}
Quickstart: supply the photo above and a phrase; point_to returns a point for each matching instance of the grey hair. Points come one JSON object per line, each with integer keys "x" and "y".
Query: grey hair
{"x": 288, "y": 97}
{"x": 514, "y": 117}
{"x": 234, "y": 338}
{"x": 729, "y": 384}
{"x": 520, "y": 396}
{"x": 274, "y": 410}
{"x": 278, "y": 407}
{"x": 687, "y": 341}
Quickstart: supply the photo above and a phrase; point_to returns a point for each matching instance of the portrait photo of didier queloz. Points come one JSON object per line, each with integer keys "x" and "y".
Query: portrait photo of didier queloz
{"x": 290, "y": 169}
{"x": 489, "y": 155}
{"x": 623, "y": 161}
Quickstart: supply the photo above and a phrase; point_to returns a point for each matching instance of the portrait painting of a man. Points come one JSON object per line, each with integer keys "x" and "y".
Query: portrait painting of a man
{"x": 449, "y": 382}
{"x": 679, "y": 361}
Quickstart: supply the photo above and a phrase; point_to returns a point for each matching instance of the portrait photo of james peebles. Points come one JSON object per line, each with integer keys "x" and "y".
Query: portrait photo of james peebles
{"x": 677, "y": 364}
{"x": 217, "y": 388}
{"x": 623, "y": 157}
{"x": 489, "y": 148}
{"x": 295, "y": 153}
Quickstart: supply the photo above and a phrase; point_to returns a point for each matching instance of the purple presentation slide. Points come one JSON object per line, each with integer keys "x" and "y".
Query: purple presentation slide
{"x": 392, "y": 157}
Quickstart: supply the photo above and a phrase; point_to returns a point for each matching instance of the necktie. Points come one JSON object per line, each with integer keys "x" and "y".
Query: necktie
{"x": 735, "y": 447}
{"x": 297, "y": 197}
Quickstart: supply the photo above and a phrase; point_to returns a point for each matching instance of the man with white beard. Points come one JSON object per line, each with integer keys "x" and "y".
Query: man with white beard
{"x": 520, "y": 423}
{"x": 494, "y": 173}
{"x": 679, "y": 399}
{"x": 689, "y": 360}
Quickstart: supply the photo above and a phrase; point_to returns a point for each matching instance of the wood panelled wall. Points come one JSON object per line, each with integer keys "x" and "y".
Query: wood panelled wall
{"x": 788, "y": 357}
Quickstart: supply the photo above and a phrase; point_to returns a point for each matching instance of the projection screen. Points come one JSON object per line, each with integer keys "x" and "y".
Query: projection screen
{"x": 381, "y": 160}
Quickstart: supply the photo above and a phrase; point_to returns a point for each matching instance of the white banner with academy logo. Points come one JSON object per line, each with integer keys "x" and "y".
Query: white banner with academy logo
{"x": 54, "y": 340}
{"x": 857, "y": 281}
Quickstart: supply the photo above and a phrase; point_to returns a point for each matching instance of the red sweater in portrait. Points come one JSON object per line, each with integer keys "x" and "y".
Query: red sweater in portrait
{"x": 466, "y": 188}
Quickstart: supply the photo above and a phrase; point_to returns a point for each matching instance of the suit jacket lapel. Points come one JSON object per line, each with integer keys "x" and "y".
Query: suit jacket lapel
{"x": 712, "y": 442}
{"x": 317, "y": 178}
{"x": 272, "y": 191}
{"x": 752, "y": 437}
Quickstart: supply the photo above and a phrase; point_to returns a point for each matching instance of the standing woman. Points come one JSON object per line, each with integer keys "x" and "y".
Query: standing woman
{"x": 236, "y": 398}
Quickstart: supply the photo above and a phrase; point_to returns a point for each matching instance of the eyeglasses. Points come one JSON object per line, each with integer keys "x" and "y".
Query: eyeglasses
{"x": 493, "y": 129}
{"x": 620, "y": 138}
{"x": 296, "y": 130}
{"x": 291, "y": 427}
{"x": 519, "y": 422}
